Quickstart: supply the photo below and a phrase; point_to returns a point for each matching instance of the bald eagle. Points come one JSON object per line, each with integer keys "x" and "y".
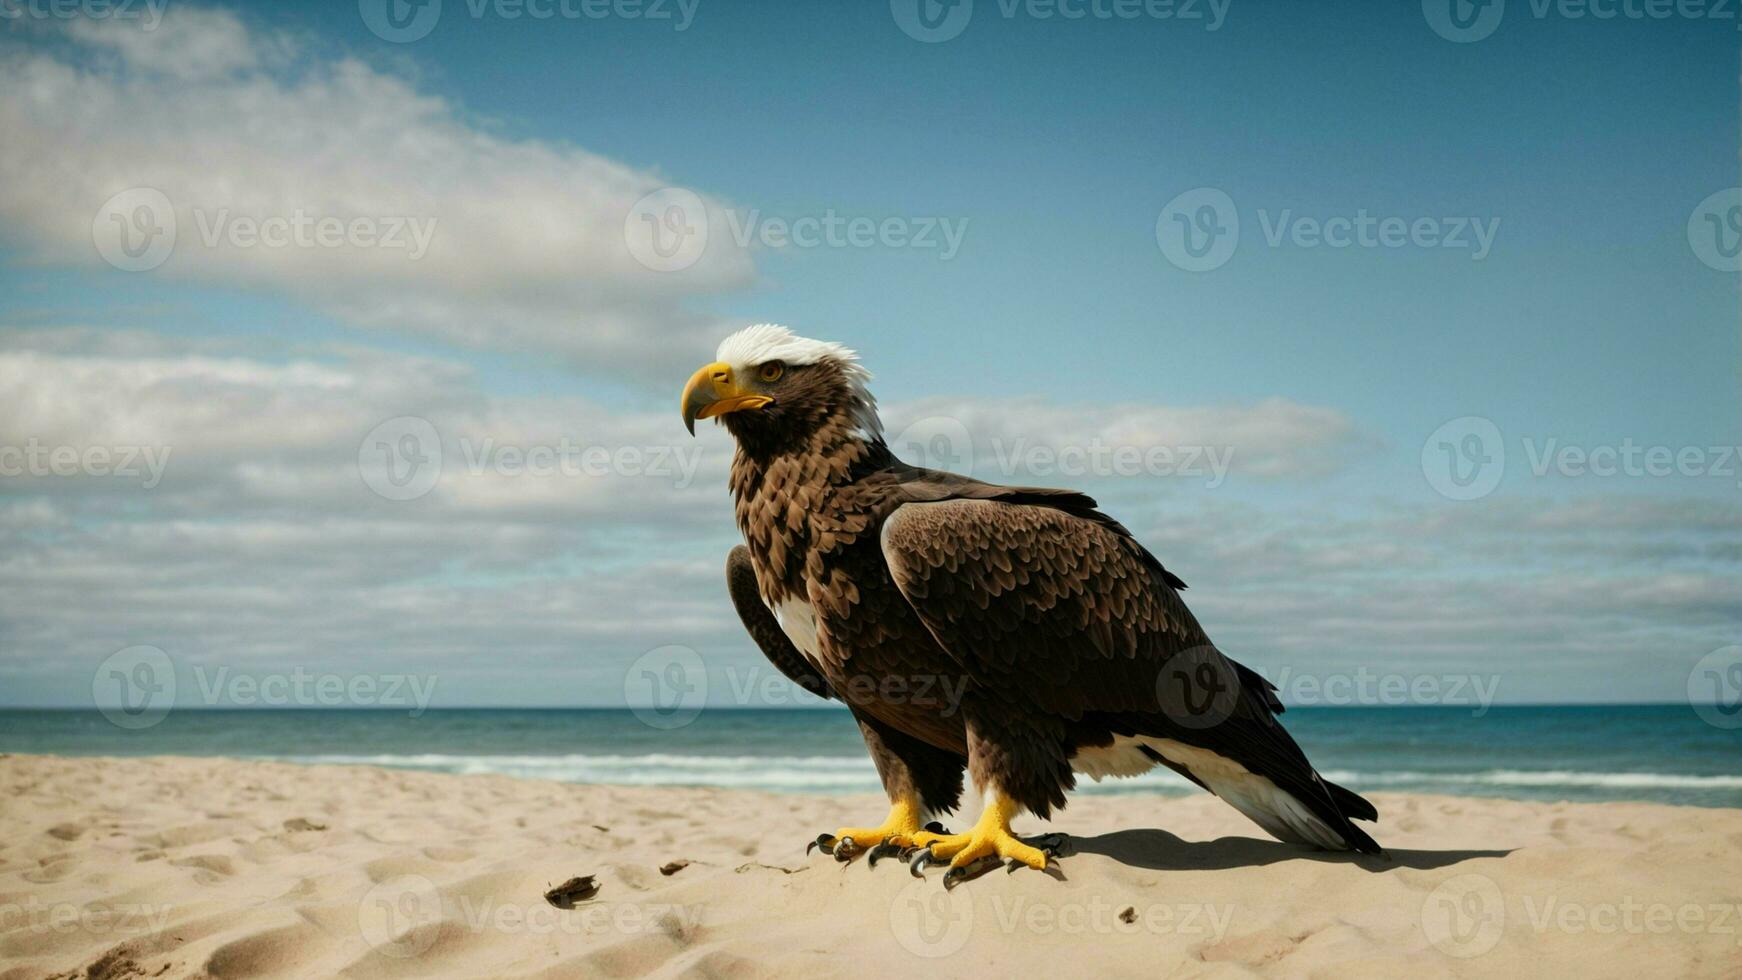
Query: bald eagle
{"x": 1015, "y": 632}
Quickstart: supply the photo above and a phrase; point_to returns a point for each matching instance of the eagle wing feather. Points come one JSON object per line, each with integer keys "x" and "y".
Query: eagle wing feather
{"x": 1050, "y": 606}
{"x": 765, "y": 629}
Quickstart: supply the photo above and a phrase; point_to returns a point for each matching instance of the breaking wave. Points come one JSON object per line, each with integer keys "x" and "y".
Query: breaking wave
{"x": 855, "y": 774}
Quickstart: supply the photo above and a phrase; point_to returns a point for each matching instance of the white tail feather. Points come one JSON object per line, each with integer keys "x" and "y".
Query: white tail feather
{"x": 1266, "y": 804}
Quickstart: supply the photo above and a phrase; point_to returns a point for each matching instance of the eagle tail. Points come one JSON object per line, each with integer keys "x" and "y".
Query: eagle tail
{"x": 1353, "y": 805}
{"x": 1288, "y": 818}
{"x": 1300, "y": 807}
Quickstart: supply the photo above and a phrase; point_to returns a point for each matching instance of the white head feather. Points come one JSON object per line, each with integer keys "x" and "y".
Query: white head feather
{"x": 766, "y": 342}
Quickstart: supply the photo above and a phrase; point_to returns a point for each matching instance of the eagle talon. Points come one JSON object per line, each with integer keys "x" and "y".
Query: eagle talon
{"x": 883, "y": 850}
{"x": 968, "y": 872}
{"x": 897, "y": 831}
{"x": 920, "y": 859}
{"x": 824, "y": 842}
{"x": 846, "y": 850}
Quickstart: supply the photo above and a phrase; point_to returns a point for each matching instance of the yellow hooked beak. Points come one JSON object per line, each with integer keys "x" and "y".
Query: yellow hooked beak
{"x": 714, "y": 391}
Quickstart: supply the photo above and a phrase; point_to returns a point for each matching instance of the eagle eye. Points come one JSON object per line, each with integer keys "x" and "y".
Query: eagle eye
{"x": 771, "y": 371}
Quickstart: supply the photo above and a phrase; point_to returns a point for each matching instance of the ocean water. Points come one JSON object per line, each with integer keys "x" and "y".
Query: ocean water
{"x": 1661, "y": 753}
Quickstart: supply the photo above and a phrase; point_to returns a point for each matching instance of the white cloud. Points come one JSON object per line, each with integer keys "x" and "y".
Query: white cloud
{"x": 1034, "y": 440}
{"x": 1597, "y": 599}
{"x": 199, "y": 44}
{"x": 525, "y": 249}
{"x": 264, "y": 548}
{"x": 250, "y": 435}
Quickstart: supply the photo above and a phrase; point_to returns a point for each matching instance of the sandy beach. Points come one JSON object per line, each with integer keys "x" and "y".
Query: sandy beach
{"x": 174, "y": 867}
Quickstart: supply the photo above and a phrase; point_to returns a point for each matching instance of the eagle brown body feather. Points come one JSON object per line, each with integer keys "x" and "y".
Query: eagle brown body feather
{"x": 1005, "y": 629}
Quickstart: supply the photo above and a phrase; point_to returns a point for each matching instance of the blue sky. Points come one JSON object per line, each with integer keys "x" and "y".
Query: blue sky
{"x": 1585, "y": 147}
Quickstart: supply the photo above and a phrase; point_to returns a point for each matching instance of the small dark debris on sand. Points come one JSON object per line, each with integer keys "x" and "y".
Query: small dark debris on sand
{"x": 1129, "y": 915}
{"x": 670, "y": 868}
{"x": 565, "y": 895}
{"x": 298, "y": 824}
{"x": 740, "y": 869}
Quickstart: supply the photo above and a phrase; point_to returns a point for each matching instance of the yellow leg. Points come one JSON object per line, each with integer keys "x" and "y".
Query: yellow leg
{"x": 990, "y": 836}
{"x": 897, "y": 830}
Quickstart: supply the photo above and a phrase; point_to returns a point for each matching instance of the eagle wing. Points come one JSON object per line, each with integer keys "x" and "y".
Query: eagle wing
{"x": 764, "y": 629}
{"x": 1050, "y": 606}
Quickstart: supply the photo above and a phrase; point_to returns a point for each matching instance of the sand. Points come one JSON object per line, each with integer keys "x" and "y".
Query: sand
{"x": 204, "y": 867}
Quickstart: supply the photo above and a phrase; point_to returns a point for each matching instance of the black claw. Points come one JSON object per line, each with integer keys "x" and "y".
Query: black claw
{"x": 969, "y": 871}
{"x": 824, "y": 842}
{"x": 1052, "y": 845}
{"x": 1010, "y": 868}
{"x": 882, "y": 850}
{"x": 846, "y": 850}
{"x": 920, "y": 859}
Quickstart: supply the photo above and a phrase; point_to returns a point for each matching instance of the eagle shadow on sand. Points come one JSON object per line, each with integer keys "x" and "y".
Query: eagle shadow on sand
{"x": 1157, "y": 850}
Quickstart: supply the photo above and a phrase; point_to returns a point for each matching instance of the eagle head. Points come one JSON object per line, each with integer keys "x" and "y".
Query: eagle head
{"x": 772, "y": 388}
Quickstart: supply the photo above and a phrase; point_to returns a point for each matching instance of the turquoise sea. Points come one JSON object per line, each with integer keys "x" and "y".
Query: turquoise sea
{"x": 1662, "y": 753}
